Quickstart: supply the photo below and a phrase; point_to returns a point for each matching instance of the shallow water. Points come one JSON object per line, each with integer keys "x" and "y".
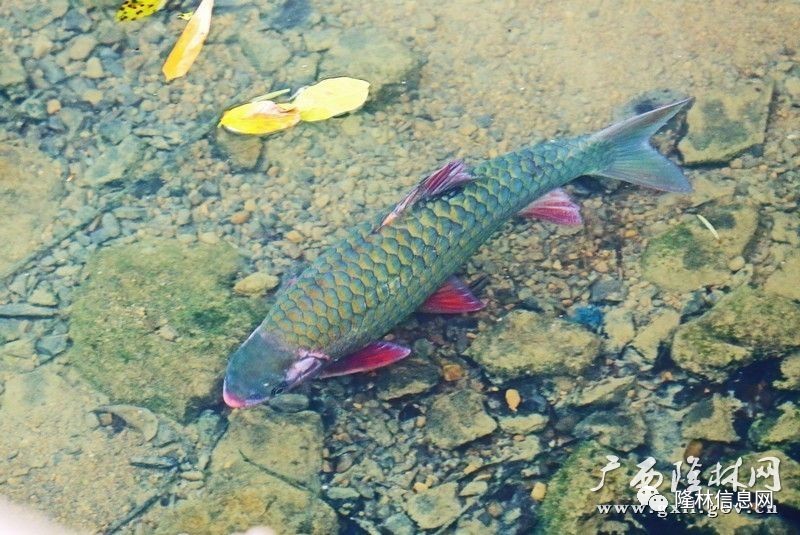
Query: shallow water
{"x": 130, "y": 221}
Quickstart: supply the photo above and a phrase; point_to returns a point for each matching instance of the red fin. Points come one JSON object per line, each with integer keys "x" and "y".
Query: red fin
{"x": 452, "y": 298}
{"x": 556, "y": 207}
{"x": 450, "y": 176}
{"x": 370, "y": 357}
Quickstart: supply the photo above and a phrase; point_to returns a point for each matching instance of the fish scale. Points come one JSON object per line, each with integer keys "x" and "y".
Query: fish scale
{"x": 387, "y": 268}
{"x": 365, "y": 284}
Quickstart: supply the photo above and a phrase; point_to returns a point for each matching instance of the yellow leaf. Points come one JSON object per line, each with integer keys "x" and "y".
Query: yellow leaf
{"x": 190, "y": 42}
{"x": 330, "y": 98}
{"x": 138, "y": 9}
{"x": 261, "y": 117}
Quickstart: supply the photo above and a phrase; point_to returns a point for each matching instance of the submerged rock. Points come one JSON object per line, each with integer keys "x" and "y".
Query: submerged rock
{"x": 370, "y": 55}
{"x": 618, "y": 430}
{"x": 744, "y": 326}
{"x": 526, "y": 343}
{"x": 711, "y": 419}
{"x": 133, "y": 291}
{"x": 435, "y": 507}
{"x": 285, "y": 445}
{"x": 688, "y": 256}
{"x": 789, "y": 471}
{"x": 790, "y": 371}
{"x": 522, "y": 425}
{"x": 264, "y": 471}
{"x": 783, "y": 281}
{"x": 570, "y": 505}
{"x": 30, "y": 184}
{"x": 657, "y": 332}
{"x": 115, "y": 161}
{"x": 411, "y": 376}
{"x": 724, "y": 123}
{"x": 457, "y": 418}
{"x": 783, "y": 430}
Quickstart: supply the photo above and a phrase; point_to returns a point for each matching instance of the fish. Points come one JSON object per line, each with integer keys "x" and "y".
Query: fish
{"x": 330, "y": 319}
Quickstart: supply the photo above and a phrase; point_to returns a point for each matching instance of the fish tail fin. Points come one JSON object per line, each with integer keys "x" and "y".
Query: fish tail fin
{"x": 633, "y": 160}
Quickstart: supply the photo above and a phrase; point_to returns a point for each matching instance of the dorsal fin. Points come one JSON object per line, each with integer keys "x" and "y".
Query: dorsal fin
{"x": 449, "y": 176}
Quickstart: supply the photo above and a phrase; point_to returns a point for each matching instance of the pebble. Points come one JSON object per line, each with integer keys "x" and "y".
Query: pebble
{"x": 452, "y": 372}
{"x": 81, "y": 47}
{"x": 92, "y": 96}
{"x": 736, "y": 263}
{"x": 209, "y": 238}
{"x": 168, "y": 333}
{"x": 192, "y": 475}
{"x": 256, "y": 284}
{"x": 94, "y": 68}
{"x": 52, "y": 345}
{"x": 53, "y": 106}
{"x": 289, "y": 402}
{"x": 538, "y": 491}
{"x": 513, "y": 399}
{"x": 240, "y": 218}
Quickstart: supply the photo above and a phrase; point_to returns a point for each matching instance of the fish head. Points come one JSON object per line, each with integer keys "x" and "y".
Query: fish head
{"x": 262, "y": 368}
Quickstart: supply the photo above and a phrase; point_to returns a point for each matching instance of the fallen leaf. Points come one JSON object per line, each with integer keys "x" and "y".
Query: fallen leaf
{"x": 190, "y": 42}
{"x": 138, "y": 9}
{"x": 260, "y": 117}
{"x": 330, "y": 98}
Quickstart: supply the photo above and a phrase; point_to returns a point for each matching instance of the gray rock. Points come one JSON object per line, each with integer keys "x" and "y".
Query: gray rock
{"x": 43, "y": 297}
{"x": 522, "y": 425}
{"x": 711, "y": 419}
{"x": 688, "y": 256}
{"x": 412, "y": 376}
{"x": 617, "y": 430}
{"x": 783, "y": 281}
{"x": 11, "y": 70}
{"x": 435, "y": 507}
{"x": 372, "y": 56}
{"x": 457, "y": 418}
{"x": 781, "y": 430}
{"x": 655, "y": 333}
{"x": 243, "y": 152}
{"x": 527, "y": 343}
{"x": 29, "y": 190}
{"x": 742, "y": 327}
{"x": 724, "y": 123}
{"x": 22, "y": 310}
{"x": 115, "y": 161}
{"x": 790, "y": 372}
{"x": 37, "y": 16}
{"x": 289, "y": 402}
{"x": 607, "y": 289}
{"x": 342, "y": 493}
{"x": 265, "y": 53}
{"x": 606, "y": 392}
{"x": 109, "y": 229}
{"x": 399, "y": 524}
{"x": 52, "y": 345}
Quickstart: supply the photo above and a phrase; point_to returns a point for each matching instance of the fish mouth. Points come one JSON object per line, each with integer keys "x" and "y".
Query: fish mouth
{"x": 235, "y": 402}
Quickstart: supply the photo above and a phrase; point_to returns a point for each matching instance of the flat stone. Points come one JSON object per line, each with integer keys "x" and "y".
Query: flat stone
{"x": 11, "y": 70}
{"x": 134, "y": 290}
{"x": 790, "y": 373}
{"x": 52, "y": 345}
{"x": 619, "y": 329}
{"x": 243, "y": 152}
{"x": 435, "y": 507}
{"x": 522, "y": 425}
{"x": 711, "y": 419}
{"x": 43, "y": 297}
{"x": 784, "y": 280}
{"x": 289, "y": 445}
{"x": 50, "y": 442}
{"x": 530, "y": 344}
{"x": 744, "y": 326}
{"x": 688, "y": 256}
{"x": 115, "y": 161}
{"x": 370, "y": 55}
{"x": 409, "y": 377}
{"x": 81, "y": 46}
{"x": 22, "y": 310}
{"x": 619, "y": 430}
{"x": 30, "y": 187}
{"x": 606, "y": 392}
{"x": 658, "y": 331}
{"x": 457, "y": 418}
{"x": 783, "y": 430}
{"x": 721, "y": 124}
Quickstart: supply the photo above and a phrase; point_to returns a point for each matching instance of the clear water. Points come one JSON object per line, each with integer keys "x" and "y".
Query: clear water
{"x": 129, "y": 220}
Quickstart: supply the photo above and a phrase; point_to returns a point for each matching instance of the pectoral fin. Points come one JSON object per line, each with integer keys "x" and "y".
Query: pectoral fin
{"x": 454, "y": 297}
{"x": 370, "y": 357}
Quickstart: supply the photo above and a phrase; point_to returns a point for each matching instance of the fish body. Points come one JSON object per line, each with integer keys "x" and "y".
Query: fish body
{"x": 387, "y": 268}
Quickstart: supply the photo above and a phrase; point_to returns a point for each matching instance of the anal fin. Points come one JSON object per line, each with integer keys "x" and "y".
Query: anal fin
{"x": 370, "y": 357}
{"x": 454, "y": 297}
{"x": 556, "y": 207}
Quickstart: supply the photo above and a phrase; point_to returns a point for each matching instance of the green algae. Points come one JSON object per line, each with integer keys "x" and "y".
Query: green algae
{"x": 155, "y": 320}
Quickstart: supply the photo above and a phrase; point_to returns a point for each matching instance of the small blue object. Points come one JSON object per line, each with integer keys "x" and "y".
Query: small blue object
{"x": 589, "y": 315}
